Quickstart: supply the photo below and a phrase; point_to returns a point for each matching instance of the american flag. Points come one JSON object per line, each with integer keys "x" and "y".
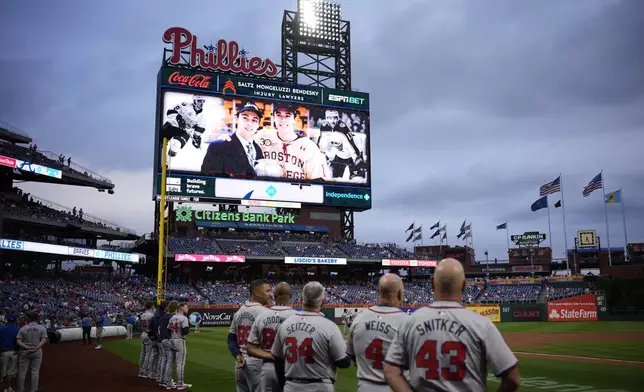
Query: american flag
{"x": 593, "y": 185}
{"x": 551, "y": 187}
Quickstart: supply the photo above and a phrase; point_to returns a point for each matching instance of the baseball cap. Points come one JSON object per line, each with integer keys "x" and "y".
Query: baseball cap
{"x": 248, "y": 107}
{"x": 285, "y": 106}
{"x": 12, "y": 317}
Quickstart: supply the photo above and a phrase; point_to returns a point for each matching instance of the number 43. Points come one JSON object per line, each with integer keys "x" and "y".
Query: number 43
{"x": 427, "y": 358}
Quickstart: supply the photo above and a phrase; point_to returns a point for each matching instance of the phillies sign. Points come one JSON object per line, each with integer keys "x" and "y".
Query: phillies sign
{"x": 210, "y": 258}
{"x": 224, "y": 57}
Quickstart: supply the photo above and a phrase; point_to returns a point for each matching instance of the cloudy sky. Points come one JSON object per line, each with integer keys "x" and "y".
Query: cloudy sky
{"x": 506, "y": 95}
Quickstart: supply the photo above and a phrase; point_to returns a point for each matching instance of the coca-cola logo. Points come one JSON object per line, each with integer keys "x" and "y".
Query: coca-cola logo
{"x": 196, "y": 81}
{"x": 225, "y": 57}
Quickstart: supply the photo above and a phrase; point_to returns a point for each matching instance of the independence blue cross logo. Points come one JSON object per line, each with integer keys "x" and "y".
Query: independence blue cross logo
{"x": 271, "y": 191}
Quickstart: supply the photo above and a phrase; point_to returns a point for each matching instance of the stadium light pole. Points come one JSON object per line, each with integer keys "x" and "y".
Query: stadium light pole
{"x": 161, "y": 260}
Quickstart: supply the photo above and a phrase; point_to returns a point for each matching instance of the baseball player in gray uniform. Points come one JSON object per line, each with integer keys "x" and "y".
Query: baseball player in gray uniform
{"x": 372, "y": 332}
{"x": 30, "y": 340}
{"x": 262, "y": 335}
{"x": 447, "y": 347}
{"x": 309, "y": 347}
{"x": 248, "y": 369}
{"x": 179, "y": 327}
{"x": 146, "y": 343}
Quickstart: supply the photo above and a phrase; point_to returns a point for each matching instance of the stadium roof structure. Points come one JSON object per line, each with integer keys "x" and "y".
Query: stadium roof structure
{"x": 44, "y": 165}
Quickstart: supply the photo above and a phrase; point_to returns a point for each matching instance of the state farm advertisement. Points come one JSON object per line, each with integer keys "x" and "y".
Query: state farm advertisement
{"x": 581, "y": 308}
{"x": 210, "y": 258}
{"x": 409, "y": 263}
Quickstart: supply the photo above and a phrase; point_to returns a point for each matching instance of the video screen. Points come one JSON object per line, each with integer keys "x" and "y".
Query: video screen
{"x": 230, "y": 137}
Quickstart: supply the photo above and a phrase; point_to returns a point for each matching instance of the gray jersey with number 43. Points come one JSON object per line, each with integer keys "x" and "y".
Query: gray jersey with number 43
{"x": 370, "y": 336}
{"x": 448, "y": 347}
{"x": 310, "y": 345}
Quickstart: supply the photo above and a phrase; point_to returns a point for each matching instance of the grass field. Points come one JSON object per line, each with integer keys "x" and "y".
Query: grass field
{"x": 211, "y": 368}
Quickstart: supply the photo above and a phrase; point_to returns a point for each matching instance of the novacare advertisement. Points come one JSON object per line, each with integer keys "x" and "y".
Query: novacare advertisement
{"x": 580, "y": 308}
{"x": 315, "y": 260}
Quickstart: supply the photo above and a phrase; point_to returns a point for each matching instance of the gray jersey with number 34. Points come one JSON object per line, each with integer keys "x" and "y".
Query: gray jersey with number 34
{"x": 310, "y": 345}
{"x": 448, "y": 347}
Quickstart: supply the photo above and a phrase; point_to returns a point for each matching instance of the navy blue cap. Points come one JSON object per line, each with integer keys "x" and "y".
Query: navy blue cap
{"x": 286, "y": 106}
{"x": 250, "y": 107}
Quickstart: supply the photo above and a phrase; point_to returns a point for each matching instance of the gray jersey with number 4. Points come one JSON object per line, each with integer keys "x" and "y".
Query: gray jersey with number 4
{"x": 310, "y": 345}
{"x": 370, "y": 336}
{"x": 448, "y": 347}
{"x": 243, "y": 321}
{"x": 264, "y": 329}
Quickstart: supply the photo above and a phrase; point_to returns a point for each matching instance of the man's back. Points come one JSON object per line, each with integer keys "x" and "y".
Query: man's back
{"x": 31, "y": 334}
{"x": 176, "y": 324}
{"x": 448, "y": 347}
{"x": 310, "y": 345}
{"x": 243, "y": 321}
{"x": 145, "y": 319}
{"x": 370, "y": 336}
{"x": 266, "y": 325}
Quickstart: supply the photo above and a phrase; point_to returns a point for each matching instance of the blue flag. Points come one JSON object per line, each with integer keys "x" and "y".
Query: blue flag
{"x": 502, "y": 226}
{"x": 540, "y": 203}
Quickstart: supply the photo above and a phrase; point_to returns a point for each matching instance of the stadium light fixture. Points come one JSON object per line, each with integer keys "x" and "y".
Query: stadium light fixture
{"x": 319, "y": 19}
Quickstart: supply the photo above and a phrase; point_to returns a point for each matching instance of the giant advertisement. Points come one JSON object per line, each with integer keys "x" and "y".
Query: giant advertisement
{"x": 258, "y": 138}
{"x": 523, "y": 312}
{"x": 580, "y": 308}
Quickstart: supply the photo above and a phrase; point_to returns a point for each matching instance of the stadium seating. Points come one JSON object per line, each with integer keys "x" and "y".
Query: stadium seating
{"x": 497, "y": 293}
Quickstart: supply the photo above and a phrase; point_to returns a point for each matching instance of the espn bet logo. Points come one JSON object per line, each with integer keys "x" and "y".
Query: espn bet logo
{"x": 346, "y": 99}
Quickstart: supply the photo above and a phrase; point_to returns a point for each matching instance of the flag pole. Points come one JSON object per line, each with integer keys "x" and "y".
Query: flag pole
{"x": 563, "y": 209}
{"x": 610, "y": 258}
{"x": 549, "y": 227}
{"x": 507, "y": 237}
{"x": 422, "y": 240}
{"x": 440, "y": 239}
{"x": 621, "y": 195}
{"x": 472, "y": 239}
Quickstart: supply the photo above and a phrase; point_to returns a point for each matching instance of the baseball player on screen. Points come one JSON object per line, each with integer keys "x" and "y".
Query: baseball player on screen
{"x": 309, "y": 347}
{"x": 372, "y": 332}
{"x": 179, "y": 328}
{"x": 185, "y": 117}
{"x": 262, "y": 335}
{"x": 248, "y": 369}
{"x": 299, "y": 157}
{"x": 336, "y": 141}
{"x": 146, "y": 343}
{"x": 447, "y": 347}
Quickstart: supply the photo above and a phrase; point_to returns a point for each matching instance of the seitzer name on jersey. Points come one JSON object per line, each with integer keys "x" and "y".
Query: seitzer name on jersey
{"x": 378, "y": 326}
{"x": 304, "y": 327}
{"x": 441, "y": 325}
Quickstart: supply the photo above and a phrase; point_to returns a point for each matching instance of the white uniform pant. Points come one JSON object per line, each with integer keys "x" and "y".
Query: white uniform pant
{"x": 366, "y": 386}
{"x": 310, "y": 387}
{"x": 248, "y": 378}
{"x": 29, "y": 363}
{"x": 128, "y": 329}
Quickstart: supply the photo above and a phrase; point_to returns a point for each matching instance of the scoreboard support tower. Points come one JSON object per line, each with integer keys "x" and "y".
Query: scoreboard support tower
{"x": 316, "y": 70}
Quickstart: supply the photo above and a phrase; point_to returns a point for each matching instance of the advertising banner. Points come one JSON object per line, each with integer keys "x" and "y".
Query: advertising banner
{"x": 185, "y": 213}
{"x": 7, "y": 161}
{"x": 409, "y": 263}
{"x": 527, "y": 268}
{"x": 67, "y": 250}
{"x": 211, "y": 317}
{"x": 228, "y": 188}
{"x": 38, "y": 169}
{"x": 524, "y": 312}
{"x": 210, "y": 258}
{"x": 315, "y": 260}
{"x": 493, "y": 312}
{"x": 580, "y": 308}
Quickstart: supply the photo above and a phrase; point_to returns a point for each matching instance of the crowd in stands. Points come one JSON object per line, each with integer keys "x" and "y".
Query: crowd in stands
{"x": 264, "y": 244}
{"x": 33, "y": 155}
{"x": 61, "y": 300}
{"x": 24, "y": 204}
